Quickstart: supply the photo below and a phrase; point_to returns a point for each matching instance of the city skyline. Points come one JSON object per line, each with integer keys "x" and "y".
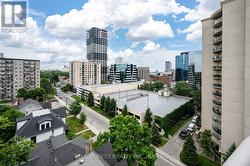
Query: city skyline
{"x": 172, "y": 28}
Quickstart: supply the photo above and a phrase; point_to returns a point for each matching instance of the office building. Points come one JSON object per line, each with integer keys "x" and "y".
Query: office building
{"x": 143, "y": 73}
{"x": 195, "y": 69}
{"x": 16, "y": 74}
{"x": 131, "y": 73}
{"x": 120, "y": 73}
{"x": 226, "y": 73}
{"x": 181, "y": 67}
{"x": 97, "y": 49}
{"x": 168, "y": 67}
{"x": 85, "y": 73}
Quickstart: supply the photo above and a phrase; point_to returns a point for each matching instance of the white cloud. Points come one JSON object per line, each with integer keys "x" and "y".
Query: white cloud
{"x": 151, "y": 46}
{"x": 153, "y": 59}
{"x": 203, "y": 10}
{"x": 150, "y": 30}
{"x": 128, "y": 14}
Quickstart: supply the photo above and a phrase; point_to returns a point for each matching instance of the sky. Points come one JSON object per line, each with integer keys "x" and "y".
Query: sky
{"x": 143, "y": 32}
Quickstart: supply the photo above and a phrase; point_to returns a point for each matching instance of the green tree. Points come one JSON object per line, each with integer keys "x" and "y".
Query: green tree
{"x": 47, "y": 86}
{"x": 206, "y": 142}
{"x": 183, "y": 89}
{"x": 130, "y": 140}
{"x": 148, "y": 117}
{"x": 112, "y": 108}
{"x": 91, "y": 99}
{"x": 125, "y": 110}
{"x": 67, "y": 88}
{"x": 188, "y": 155}
{"x": 198, "y": 121}
{"x": 7, "y": 129}
{"x": 102, "y": 102}
{"x": 229, "y": 152}
{"x": 15, "y": 151}
{"x": 22, "y": 93}
{"x": 82, "y": 96}
{"x": 82, "y": 117}
{"x": 107, "y": 105}
{"x": 156, "y": 137}
{"x": 75, "y": 108}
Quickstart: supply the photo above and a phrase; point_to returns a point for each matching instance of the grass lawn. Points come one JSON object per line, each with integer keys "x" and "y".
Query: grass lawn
{"x": 77, "y": 98}
{"x": 75, "y": 125}
{"x": 88, "y": 134}
{"x": 206, "y": 162}
{"x": 163, "y": 142}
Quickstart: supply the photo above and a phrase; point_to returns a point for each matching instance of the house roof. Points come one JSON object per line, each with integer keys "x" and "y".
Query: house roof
{"x": 31, "y": 127}
{"x": 60, "y": 111}
{"x": 28, "y": 102}
{"x": 107, "y": 153}
{"x": 43, "y": 105}
{"x": 56, "y": 151}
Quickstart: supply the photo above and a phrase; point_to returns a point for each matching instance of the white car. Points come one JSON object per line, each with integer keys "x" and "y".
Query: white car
{"x": 194, "y": 119}
{"x": 191, "y": 127}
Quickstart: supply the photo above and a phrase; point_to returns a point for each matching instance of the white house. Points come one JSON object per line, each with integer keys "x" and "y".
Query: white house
{"x": 40, "y": 125}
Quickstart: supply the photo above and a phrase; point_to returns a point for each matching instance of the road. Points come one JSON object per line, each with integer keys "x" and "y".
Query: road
{"x": 98, "y": 123}
{"x": 175, "y": 144}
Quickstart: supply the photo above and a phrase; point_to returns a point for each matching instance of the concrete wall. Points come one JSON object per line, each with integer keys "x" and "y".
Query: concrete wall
{"x": 58, "y": 131}
{"x": 247, "y": 72}
{"x": 207, "y": 72}
{"x": 43, "y": 137}
{"x": 233, "y": 55}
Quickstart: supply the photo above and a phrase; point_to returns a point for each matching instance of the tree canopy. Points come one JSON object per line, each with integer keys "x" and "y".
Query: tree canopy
{"x": 67, "y": 88}
{"x": 152, "y": 86}
{"x": 90, "y": 101}
{"x": 188, "y": 155}
{"x": 75, "y": 108}
{"x": 38, "y": 94}
{"x": 148, "y": 117}
{"x": 15, "y": 151}
{"x": 229, "y": 152}
{"x": 130, "y": 140}
{"x": 125, "y": 110}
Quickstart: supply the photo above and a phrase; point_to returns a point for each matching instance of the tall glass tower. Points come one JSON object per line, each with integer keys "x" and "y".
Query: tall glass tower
{"x": 97, "y": 49}
{"x": 181, "y": 73}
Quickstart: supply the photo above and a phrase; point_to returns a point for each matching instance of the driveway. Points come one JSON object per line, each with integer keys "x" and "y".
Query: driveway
{"x": 174, "y": 145}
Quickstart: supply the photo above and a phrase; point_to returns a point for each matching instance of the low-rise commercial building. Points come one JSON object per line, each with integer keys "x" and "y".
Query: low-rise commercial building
{"x": 143, "y": 73}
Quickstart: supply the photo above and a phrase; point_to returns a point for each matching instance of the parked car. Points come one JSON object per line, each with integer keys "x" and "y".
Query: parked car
{"x": 183, "y": 133}
{"x": 194, "y": 119}
{"x": 191, "y": 127}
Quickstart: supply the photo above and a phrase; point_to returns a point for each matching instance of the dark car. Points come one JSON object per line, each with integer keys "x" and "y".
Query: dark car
{"x": 183, "y": 133}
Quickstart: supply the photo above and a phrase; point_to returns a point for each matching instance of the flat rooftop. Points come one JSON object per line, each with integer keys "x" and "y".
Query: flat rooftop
{"x": 138, "y": 100}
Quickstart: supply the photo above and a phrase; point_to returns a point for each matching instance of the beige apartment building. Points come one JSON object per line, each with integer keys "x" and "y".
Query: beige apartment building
{"x": 226, "y": 73}
{"x": 143, "y": 73}
{"x": 84, "y": 73}
{"x": 16, "y": 74}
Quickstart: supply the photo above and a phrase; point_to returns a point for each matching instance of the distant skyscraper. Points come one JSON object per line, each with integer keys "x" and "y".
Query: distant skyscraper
{"x": 168, "y": 66}
{"x": 123, "y": 73}
{"x": 195, "y": 69}
{"x": 181, "y": 71}
{"x": 97, "y": 49}
{"x": 119, "y": 60}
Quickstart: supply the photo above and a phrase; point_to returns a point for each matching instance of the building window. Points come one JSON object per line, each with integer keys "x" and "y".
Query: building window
{"x": 42, "y": 126}
{"x": 47, "y": 125}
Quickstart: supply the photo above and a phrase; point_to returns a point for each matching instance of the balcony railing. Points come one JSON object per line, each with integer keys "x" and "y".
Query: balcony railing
{"x": 218, "y": 31}
{"x": 217, "y": 76}
{"x": 218, "y": 22}
{"x": 217, "y": 111}
{"x": 217, "y": 58}
{"x": 217, "y": 68}
{"x": 217, "y": 94}
{"x": 216, "y": 129}
{"x": 217, "y": 40}
{"x": 217, "y": 49}
{"x": 218, "y": 103}
{"x": 216, "y": 135}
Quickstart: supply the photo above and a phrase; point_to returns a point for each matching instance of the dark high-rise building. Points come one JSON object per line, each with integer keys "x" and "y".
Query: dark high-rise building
{"x": 181, "y": 65}
{"x": 195, "y": 69}
{"x": 97, "y": 49}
